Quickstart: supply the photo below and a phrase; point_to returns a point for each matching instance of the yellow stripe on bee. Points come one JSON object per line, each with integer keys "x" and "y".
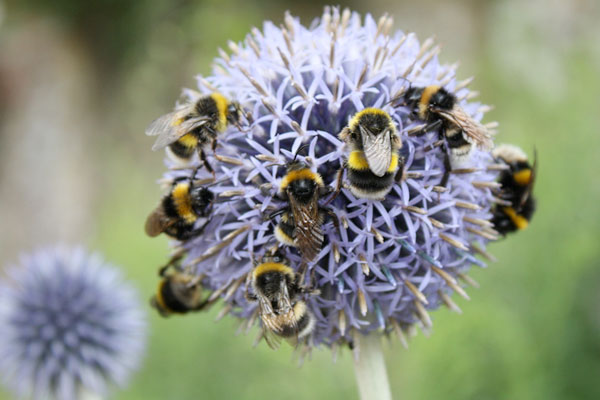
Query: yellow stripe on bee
{"x": 304, "y": 173}
{"x": 356, "y": 118}
{"x": 222, "y": 104}
{"x": 428, "y": 92}
{"x": 272, "y": 267}
{"x": 178, "y": 121}
{"x": 394, "y": 164}
{"x": 188, "y": 140}
{"x": 182, "y": 201}
{"x": 523, "y": 177}
{"x": 358, "y": 161}
{"x": 159, "y": 296}
{"x": 519, "y": 221}
{"x": 283, "y": 237}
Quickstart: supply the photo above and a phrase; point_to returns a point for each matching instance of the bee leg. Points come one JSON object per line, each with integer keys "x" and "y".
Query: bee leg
{"x": 310, "y": 289}
{"x": 400, "y": 174}
{"x": 204, "y": 161}
{"x": 447, "y": 168}
{"x": 249, "y": 296}
{"x": 276, "y": 213}
{"x": 334, "y": 219}
{"x": 338, "y": 185}
{"x": 430, "y": 127}
{"x": 301, "y": 276}
{"x": 195, "y": 172}
{"x": 174, "y": 259}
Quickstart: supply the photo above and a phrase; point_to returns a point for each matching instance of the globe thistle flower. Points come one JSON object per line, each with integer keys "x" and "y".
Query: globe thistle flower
{"x": 70, "y": 326}
{"x": 393, "y": 260}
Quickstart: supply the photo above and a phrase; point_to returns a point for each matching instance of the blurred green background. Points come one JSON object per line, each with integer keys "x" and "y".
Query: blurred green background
{"x": 79, "y": 82}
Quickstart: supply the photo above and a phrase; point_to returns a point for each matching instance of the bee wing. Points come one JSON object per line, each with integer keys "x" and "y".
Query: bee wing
{"x": 474, "y": 131}
{"x": 168, "y": 121}
{"x": 267, "y": 315}
{"x": 157, "y": 222}
{"x": 307, "y": 233}
{"x": 271, "y": 338}
{"x": 378, "y": 150}
{"x": 176, "y": 130}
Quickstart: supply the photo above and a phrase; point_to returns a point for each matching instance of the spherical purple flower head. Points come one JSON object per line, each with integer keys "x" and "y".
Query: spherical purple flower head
{"x": 395, "y": 259}
{"x": 70, "y": 325}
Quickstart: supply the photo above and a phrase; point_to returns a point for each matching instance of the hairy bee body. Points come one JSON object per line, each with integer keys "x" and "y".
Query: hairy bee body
{"x": 177, "y": 293}
{"x": 434, "y": 104}
{"x": 214, "y": 107}
{"x": 364, "y": 183}
{"x": 304, "y": 325}
{"x": 284, "y": 231}
{"x": 277, "y": 289}
{"x": 178, "y": 211}
{"x": 301, "y": 221}
{"x": 374, "y": 160}
{"x": 517, "y": 188}
{"x": 194, "y": 126}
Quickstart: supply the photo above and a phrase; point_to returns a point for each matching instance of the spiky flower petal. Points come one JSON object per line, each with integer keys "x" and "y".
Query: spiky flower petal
{"x": 69, "y": 325}
{"x": 395, "y": 259}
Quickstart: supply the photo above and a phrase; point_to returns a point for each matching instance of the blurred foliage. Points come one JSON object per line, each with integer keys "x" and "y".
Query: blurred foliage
{"x": 531, "y": 332}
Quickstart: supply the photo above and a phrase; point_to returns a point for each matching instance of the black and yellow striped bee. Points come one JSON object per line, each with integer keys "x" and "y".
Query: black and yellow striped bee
{"x": 301, "y": 221}
{"x": 180, "y": 209}
{"x": 192, "y": 127}
{"x": 438, "y": 107}
{"x": 278, "y": 290}
{"x": 374, "y": 160}
{"x": 517, "y": 188}
{"x": 177, "y": 293}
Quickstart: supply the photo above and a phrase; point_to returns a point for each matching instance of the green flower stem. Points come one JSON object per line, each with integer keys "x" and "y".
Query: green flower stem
{"x": 369, "y": 366}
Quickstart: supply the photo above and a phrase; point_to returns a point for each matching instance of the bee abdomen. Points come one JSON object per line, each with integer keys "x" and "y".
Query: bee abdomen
{"x": 285, "y": 232}
{"x": 304, "y": 323}
{"x": 183, "y": 149}
{"x": 364, "y": 183}
{"x": 167, "y": 298}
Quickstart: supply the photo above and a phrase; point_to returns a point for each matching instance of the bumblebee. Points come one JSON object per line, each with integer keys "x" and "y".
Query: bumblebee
{"x": 192, "y": 127}
{"x": 374, "y": 160}
{"x": 301, "y": 221}
{"x": 177, "y": 293}
{"x": 440, "y": 109}
{"x": 178, "y": 211}
{"x": 517, "y": 188}
{"x": 277, "y": 289}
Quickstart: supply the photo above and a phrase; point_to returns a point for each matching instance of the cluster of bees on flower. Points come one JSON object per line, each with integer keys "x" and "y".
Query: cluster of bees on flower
{"x": 371, "y": 169}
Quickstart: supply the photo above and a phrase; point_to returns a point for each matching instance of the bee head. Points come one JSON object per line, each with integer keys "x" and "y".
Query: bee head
{"x": 374, "y": 120}
{"x": 274, "y": 256}
{"x": 302, "y": 189}
{"x": 442, "y": 99}
{"x": 202, "y": 200}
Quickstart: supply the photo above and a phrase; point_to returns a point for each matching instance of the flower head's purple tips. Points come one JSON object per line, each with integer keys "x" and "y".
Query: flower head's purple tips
{"x": 303, "y": 85}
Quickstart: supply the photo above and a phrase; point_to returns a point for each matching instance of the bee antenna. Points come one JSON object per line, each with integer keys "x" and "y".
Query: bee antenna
{"x": 305, "y": 145}
{"x": 399, "y": 94}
